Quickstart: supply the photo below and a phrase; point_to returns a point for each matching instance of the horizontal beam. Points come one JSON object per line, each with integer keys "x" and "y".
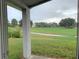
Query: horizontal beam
{"x": 13, "y": 5}
{"x": 20, "y": 5}
{"x": 39, "y": 3}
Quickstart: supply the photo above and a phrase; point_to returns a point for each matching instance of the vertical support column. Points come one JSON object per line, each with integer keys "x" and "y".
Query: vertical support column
{"x": 3, "y": 30}
{"x": 26, "y": 32}
{"x": 78, "y": 31}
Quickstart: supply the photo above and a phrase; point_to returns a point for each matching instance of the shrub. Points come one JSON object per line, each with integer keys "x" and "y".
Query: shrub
{"x": 14, "y": 33}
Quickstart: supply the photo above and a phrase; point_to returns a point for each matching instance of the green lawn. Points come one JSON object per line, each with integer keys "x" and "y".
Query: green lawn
{"x": 54, "y": 46}
{"x": 59, "y": 47}
{"x": 15, "y": 48}
{"x": 59, "y": 30}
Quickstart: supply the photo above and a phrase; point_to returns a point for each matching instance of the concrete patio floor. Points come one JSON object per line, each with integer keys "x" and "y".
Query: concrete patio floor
{"x": 41, "y": 57}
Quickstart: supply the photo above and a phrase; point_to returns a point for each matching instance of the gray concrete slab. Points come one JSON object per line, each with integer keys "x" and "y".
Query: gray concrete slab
{"x": 40, "y": 57}
{"x": 43, "y": 57}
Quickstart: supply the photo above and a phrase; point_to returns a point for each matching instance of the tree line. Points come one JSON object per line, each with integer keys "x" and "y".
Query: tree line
{"x": 15, "y": 23}
{"x": 66, "y": 22}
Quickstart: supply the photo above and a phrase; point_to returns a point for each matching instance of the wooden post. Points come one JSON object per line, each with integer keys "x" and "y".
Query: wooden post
{"x": 3, "y": 30}
{"x": 26, "y": 32}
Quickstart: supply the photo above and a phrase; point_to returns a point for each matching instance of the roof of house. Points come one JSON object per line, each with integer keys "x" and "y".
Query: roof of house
{"x": 24, "y": 3}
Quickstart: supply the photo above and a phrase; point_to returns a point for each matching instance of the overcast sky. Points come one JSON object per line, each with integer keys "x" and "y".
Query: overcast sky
{"x": 52, "y": 11}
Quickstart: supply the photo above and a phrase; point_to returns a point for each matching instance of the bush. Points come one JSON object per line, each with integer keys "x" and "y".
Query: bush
{"x": 14, "y": 33}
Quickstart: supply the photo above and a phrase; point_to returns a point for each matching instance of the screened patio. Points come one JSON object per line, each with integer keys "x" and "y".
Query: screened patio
{"x": 24, "y": 6}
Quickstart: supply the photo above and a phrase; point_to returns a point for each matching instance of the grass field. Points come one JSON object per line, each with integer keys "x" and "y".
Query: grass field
{"x": 59, "y": 47}
{"x": 59, "y": 30}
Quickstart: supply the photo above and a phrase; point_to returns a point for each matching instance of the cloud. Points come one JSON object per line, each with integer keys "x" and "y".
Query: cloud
{"x": 70, "y": 12}
{"x": 56, "y": 20}
{"x": 49, "y": 12}
{"x": 55, "y": 9}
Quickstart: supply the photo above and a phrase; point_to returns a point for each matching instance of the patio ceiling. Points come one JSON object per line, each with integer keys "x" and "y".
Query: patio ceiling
{"x": 24, "y": 3}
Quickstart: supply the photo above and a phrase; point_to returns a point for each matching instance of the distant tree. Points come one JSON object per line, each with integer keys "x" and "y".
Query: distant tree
{"x": 67, "y": 22}
{"x": 31, "y": 23}
{"x": 53, "y": 24}
{"x": 20, "y": 23}
{"x": 14, "y": 22}
{"x": 42, "y": 24}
